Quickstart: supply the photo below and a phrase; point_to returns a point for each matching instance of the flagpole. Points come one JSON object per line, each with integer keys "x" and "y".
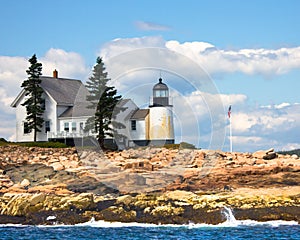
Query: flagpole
{"x": 230, "y": 129}
{"x": 230, "y": 133}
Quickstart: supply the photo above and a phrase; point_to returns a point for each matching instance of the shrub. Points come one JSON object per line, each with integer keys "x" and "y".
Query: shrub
{"x": 172, "y": 146}
{"x": 185, "y": 145}
{"x": 44, "y": 144}
{"x": 182, "y": 145}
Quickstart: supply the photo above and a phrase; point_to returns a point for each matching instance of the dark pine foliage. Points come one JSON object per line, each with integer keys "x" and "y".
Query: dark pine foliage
{"x": 33, "y": 100}
{"x": 291, "y": 152}
{"x": 103, "y": 99}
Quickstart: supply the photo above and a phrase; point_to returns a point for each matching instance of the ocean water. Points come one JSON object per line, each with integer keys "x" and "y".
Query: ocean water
{"x": 139, "y": 231}
{"x": 102, "y": 230}
{"x": 230, "y": 229}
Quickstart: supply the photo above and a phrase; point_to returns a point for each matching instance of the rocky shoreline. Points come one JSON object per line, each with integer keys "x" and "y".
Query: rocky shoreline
{"x": 146, "y": 185}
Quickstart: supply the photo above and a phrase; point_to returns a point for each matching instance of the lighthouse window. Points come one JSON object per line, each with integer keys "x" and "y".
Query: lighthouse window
{"x": 133, "y": 125}
{"x": 161, "y": 93}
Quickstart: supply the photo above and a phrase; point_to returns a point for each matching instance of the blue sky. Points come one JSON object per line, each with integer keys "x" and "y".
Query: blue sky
{"x": 252, "y": 56}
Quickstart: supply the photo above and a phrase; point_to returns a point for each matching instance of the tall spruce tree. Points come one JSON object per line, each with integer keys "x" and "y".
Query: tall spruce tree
{"x": 104, "y": 100}
{"x": 33, "y": 93}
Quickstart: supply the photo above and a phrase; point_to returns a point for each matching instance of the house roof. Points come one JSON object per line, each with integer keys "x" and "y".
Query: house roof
{"x": 140, "y": 114}
{"x": 123, "y": 102}
{"x": 63, "y": 91}
{"x": 80, "y": 109}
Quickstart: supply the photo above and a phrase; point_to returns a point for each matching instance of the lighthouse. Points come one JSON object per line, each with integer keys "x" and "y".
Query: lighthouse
{"x": 152, "y": 126}
{"x": 161, "y": 128}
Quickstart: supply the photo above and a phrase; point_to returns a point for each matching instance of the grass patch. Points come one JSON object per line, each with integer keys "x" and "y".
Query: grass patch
{"x": 182, "y": 145}
{"x": 35, "y": 144}
{"x": 43, "y": 144}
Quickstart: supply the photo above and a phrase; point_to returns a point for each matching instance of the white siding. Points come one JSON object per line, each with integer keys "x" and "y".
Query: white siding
{"x": 123, "y": 117}
{"x": 20, "y": 118}
{"x": 49, "y": 115}
{"x": 140, "y": 132}
{"x": 161, "y": 123}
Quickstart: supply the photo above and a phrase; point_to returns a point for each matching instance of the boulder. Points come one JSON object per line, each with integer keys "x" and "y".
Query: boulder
{"x": 125, "y": 199}
{"x": 270, "y": 155}
{"x": 37, "y": 198}
{"x": 259, "y": 154}
{"x": 265, "y": 154}
{"x": 62, "y": 158}
{"x": 57, "y": 166}
{"x": 25, "y": 182}
{"x": 180, "y": 195}
{"x": 70, "y": 164}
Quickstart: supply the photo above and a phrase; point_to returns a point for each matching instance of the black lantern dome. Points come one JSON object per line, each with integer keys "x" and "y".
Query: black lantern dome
{"x": 160, "y": 94}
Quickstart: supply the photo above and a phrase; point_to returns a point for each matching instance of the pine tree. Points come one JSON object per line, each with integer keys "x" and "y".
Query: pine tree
{"x": 104, "y": 100}
{"x": 33, "y": 93}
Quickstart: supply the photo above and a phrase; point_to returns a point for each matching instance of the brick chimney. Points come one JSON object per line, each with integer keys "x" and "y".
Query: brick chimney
{"x": 55, "y": 73}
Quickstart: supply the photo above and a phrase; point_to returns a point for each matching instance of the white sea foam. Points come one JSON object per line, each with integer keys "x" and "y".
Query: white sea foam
{"x": 227, "y": 212}
{"x": 12, "y": 225}
{"x": 236, "y": 223}
{"x": 50, "y": 218}
{"x": 105, "y": 224}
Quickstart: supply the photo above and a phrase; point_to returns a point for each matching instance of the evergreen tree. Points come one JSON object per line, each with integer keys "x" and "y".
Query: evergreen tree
{"x": 104, "y": 100}
{"x": 33, "y": 101}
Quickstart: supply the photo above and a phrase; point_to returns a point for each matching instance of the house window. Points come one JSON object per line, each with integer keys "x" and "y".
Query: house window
{"x": 47, "y": 126}
{"x": 81, "y": 128}
{"x": 26, "y": 129}
{"x": 73, "y": 126}
{"x": 43, "y": 104}
{"x": 66, "y": 127}
{"x": 133, "y": 125}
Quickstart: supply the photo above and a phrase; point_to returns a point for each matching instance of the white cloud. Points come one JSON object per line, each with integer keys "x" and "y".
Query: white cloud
{"x": 276, "y": 127}
{"x": 253, "y": 128}
{"x": 68, "y": 64}
{"x": 247, "y": 61}
{"x": 12, "y": 73}
{"x": 252, "y": 143}
{"x": 278, "y": 106}
{"x": 266, "y": 62}
{"x": 289, "y": 146}
{"x": 150, "y": 26}
{"x": 122, "y": 45}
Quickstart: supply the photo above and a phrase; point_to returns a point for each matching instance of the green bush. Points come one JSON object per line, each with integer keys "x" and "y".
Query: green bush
{"x": 172, "y": 146}
{"x": 185, "y": 145}
{"x": 43, "y": 144}
{"x": 182, "y": 145}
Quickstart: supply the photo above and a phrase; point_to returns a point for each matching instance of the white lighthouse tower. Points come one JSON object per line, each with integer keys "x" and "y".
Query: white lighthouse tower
{"x": 161, "y": 128}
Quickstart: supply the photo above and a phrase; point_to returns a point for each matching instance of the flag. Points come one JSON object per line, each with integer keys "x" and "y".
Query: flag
{"x": 229, "y": 111}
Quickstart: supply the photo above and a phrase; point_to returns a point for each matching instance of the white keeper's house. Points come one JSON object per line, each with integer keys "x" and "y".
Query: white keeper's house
{"x": 66, "y": 113}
